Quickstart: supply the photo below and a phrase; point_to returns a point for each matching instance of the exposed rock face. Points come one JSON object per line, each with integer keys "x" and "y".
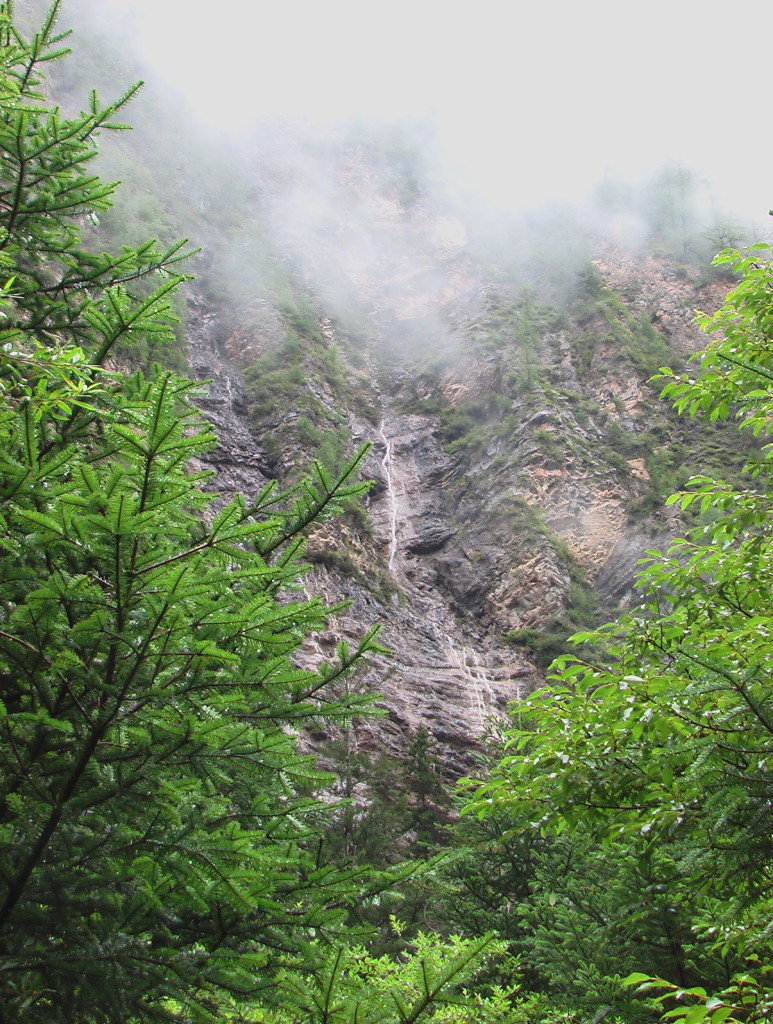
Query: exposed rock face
{"x": 662, "y": 290}
{"x": 444, "y": 673}
{"x": 241, "y": 462}
{"x": 469, "y": 541}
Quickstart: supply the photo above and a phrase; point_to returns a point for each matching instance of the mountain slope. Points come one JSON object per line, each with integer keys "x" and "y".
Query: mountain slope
{"x": 520, "y": 457}
{"x": 498, "y": 365}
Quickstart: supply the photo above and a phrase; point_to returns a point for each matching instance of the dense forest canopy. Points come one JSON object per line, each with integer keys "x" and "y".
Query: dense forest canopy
{"x": 167, "y": 853}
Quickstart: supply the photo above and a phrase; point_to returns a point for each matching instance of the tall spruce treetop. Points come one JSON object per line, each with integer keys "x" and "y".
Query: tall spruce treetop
{"x": 154, "y": 840}
{"x": 47, "y": 190}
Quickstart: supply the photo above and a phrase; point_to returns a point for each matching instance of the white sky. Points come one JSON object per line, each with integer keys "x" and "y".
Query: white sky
{"x": 535, "y": 101}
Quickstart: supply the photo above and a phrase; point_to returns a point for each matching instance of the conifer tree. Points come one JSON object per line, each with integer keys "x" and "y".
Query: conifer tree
{"x": 159, "y": 834}
{"x": 152, "y": 851}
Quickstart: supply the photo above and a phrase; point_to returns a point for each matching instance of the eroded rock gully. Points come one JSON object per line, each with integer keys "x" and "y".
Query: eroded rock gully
{"x": 444, "y": 672}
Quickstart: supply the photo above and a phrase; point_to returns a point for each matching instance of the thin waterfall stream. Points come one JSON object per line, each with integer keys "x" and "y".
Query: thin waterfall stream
{"x": 386, "y": 464}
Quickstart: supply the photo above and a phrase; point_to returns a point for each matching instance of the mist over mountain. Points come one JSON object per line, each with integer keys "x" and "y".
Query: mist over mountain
{"x": 512, "y": 108}
{"x": 531, "y": 104}
{"x": 488, "y": 323}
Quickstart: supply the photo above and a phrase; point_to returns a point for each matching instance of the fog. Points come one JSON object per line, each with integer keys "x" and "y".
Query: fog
{"x": 531, "y": 102}
{"x": 391, "y": 158}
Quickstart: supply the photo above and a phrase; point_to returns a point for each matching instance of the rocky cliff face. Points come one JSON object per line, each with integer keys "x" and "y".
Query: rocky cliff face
{"x": 404, "y": 572}
{"x": 519, "y": 456}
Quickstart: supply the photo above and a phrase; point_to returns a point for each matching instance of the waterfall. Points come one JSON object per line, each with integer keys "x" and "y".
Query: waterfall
{"x": 386, "y": 463}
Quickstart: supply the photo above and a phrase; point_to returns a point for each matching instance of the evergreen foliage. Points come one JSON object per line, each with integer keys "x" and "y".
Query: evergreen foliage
{"x": 359, "y": 987}
{"x": 159, "y": 834}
